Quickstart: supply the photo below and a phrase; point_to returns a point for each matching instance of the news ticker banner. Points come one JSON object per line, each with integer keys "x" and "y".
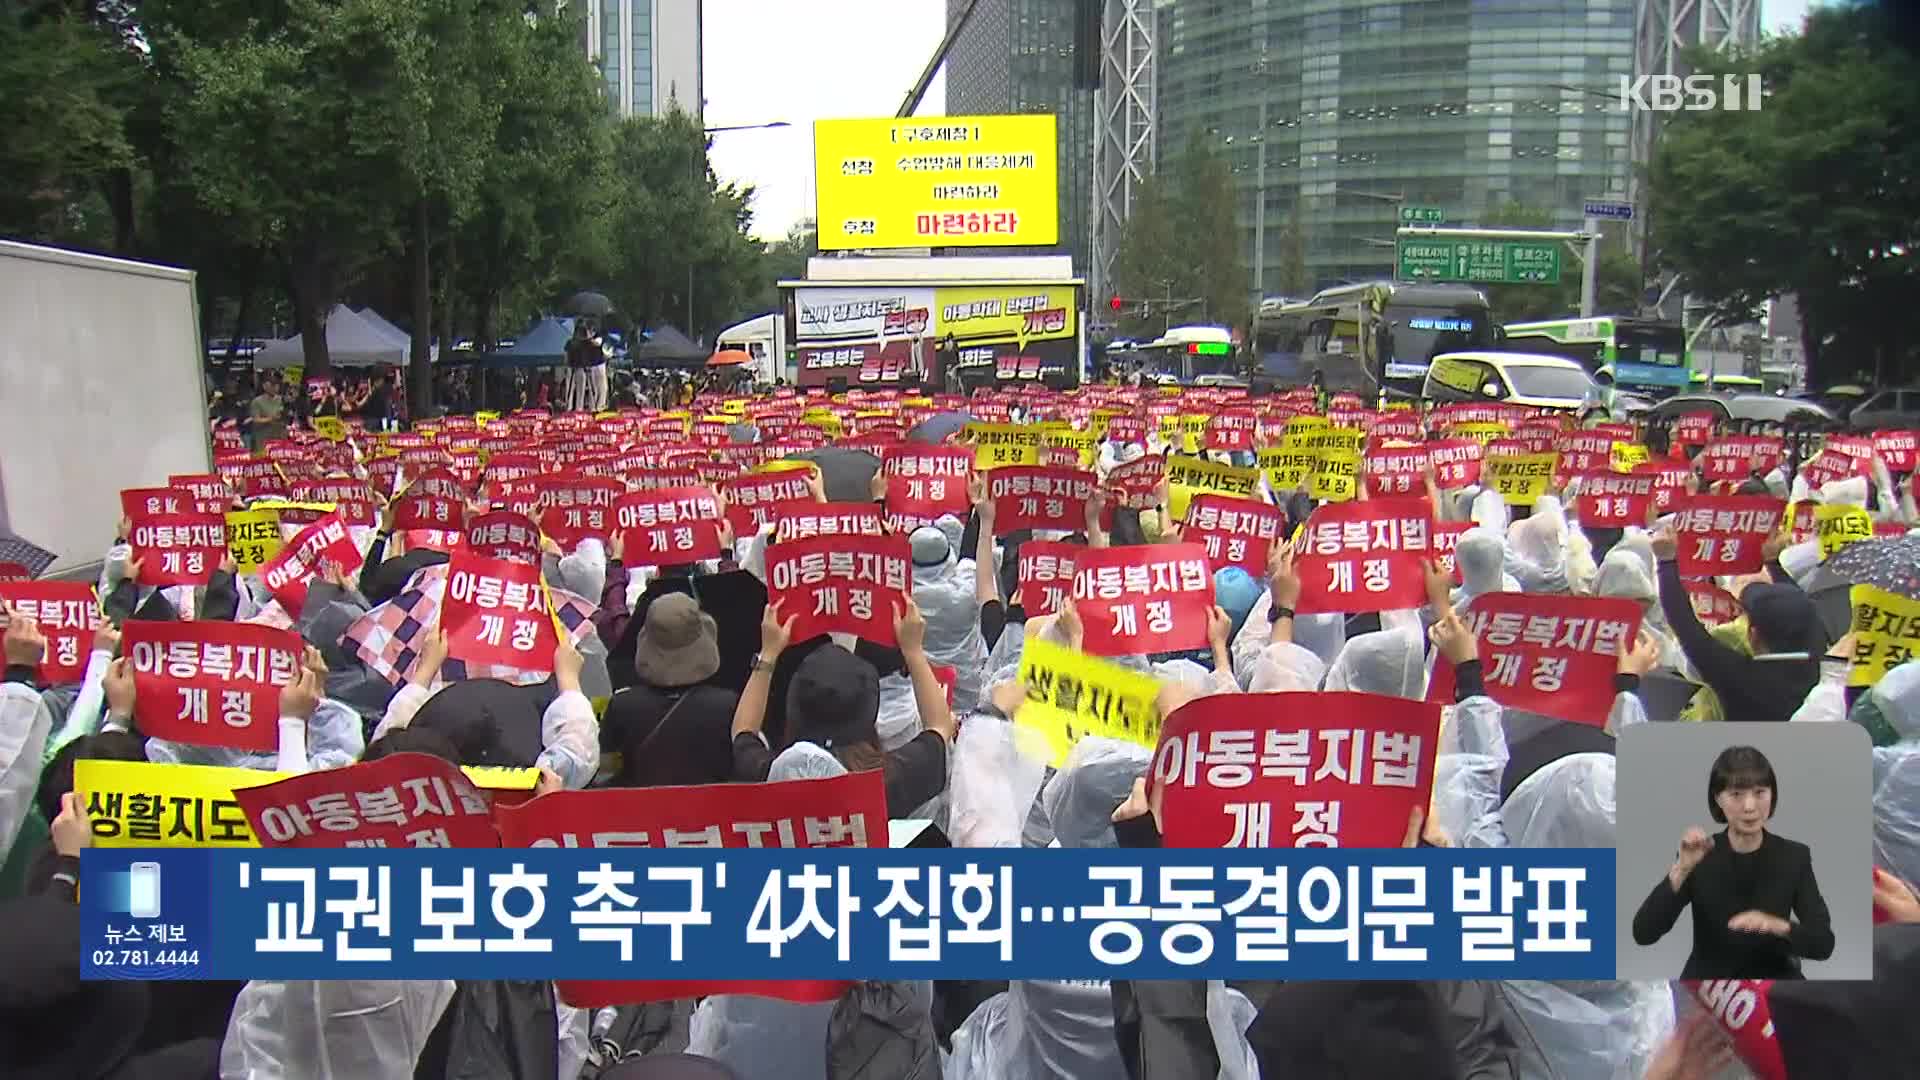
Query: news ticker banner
{"x": 847, "y": 913}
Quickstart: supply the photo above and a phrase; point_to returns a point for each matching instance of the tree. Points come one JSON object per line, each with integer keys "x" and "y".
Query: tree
{"x": 783, "y": 260}
{"x": 1178, "y": 242}
{"x": 62, "y": 77}
{"x": 1618, "y": 291}
{"x": 1813, "y": 194}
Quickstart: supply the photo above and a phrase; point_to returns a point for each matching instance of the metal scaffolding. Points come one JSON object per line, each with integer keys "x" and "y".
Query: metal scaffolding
{"x": 1123, "y": 128}
{"x": 1663, "y": 30}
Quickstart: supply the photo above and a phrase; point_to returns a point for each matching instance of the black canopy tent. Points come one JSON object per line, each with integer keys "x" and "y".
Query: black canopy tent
{"x": 543, "y": 345}
{"x": 667, "y": 347}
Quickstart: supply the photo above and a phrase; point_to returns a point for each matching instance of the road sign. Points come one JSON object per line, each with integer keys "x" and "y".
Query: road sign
{"x": 1421, "y": 215}
{"x": 1488, "y": 262}
{"x": 1612, "y": 211}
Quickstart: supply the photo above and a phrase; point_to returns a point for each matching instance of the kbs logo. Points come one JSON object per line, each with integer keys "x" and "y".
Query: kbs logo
{"x": 1692, "y": 93}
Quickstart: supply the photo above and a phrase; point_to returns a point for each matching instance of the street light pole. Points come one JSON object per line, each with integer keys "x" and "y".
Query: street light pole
{"x": 1260, "y": 209}
{"x": 711, "y": 131}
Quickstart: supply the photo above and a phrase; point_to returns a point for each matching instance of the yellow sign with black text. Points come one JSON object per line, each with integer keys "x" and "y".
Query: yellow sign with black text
{"x": 1520, "y": 478}
{"x": 1190, "y": 476}
{"x": 253, "y": 537}
{"x": 943, "y": 181}
{"x": 1838, "y": 525}
{"x": 1886, "y": 633}
{"x": 1071, "y": 695}
{"x": 1004, "y": 444}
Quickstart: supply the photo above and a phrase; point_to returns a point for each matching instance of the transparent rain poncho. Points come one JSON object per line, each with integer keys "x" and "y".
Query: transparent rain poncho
{"x": 945, "y": 594}
{"x": 1624, "y": 576}
{"x": 1537, "y": 549}
{"x": 1481, "y": 556}
{"x": 335, "y": 738}
{"x": 1896, "y": 771}
{"x": 334, "y": 1030}
{"x": 992, "y": 784}
{"x": 1285, "y": 666}
{"x": 1389, "y": 662}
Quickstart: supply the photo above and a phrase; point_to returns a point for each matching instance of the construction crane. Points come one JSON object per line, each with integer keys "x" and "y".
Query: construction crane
{"x": 933, "y": 65}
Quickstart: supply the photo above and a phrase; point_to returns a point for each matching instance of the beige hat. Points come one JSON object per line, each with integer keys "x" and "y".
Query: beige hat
{"x": 678, "y": 644}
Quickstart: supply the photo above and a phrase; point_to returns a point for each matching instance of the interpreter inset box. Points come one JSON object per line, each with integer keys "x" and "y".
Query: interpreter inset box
{"x": 1744, "y": 851}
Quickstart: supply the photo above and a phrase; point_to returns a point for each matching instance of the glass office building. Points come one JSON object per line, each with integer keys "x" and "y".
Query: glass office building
{"x": 1335, "y": 112}
{"x": 648, "y": 53}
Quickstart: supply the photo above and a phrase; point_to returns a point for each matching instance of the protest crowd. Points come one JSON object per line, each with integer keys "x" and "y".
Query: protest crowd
{"x": 1104, "y": 617}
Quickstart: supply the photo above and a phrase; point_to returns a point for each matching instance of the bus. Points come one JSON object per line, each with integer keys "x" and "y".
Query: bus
{"x": 1643, "y": 356}
{"x": 1187, "y": 356}
{"x": 1372, "y": 336}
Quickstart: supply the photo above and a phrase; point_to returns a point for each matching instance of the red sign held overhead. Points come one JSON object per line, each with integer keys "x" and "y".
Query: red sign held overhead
{"x": 1396, "y": 472}
{"x": 1899, "y": 449}
{"x": 1235, "y": 532}
{"x": 1446, "y": 541}
{"x": 1613, "y": 500}
{"x": 1738, "y": 457}
{"x": 1039, "y": 497}
{"x": 751, "y": 498}
{"x": 506, "y": 535}
{"x": 927, "y": 482}
{"x": 210, "y": 683}
{"x": 1456, "y": 462}
{"x": 1713, "y": 605}
{"x": 1723, "y": 534}
{"x": 1295, "y": 770}
{"x": 804, "y": 518}
{"x": 300, "y": 560}
{"x": 495, "y": 613}
{"x": 1552, "y": 655}
{"x": 1365, "y": 556}
{"x": 68, "y": 615}
{"x": 1232, "y": 430}
{"x": 668, "y": 526}
{"x": 1143, "y": 598}
{"x": 404, "y": 800}
{"x": 177, "y": 549}
{"x": 428, "y": 511}
{"x": 1046, "y": 575}
{"x": 847, "y": 584}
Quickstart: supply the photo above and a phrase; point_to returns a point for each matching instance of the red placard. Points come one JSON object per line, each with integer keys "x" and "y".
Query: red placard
{"x": 358, "y": 512}
{"x": 1669, "y": 482}
{"x": 436, "y": 479}
{"x": 847, "y": 584}
{"x": 1446, "y": 541}
{"x": 840, "y": 811}
{"x": 1456, "y": 462}
{"x": 1143, "y": 598}
{"x": 1713, "y": 605}
{"x": 503, "y": 534}
{"x": 1399, "y": 424}
{"x": 1614, "y": 500}
{"x": 1552, "y": 655}
{"x": 495, "y": 613}
{"x": 332, "y": 489}
{"x": 13, "y": 571}
{"x": 668, "y": 526}
{"x": 427, "y": 511}
{"x": 1235, "y": 532}
{"x": 934, "y": 479}
{"x": 1899, "y": 449}
{"x": 1365, "y": 556}
{"x": 1231, "y": 430}
{"x": 751, "y": 498}
{"x": 68, "y": 615}
{"x": 1693, "y": 429}
{"x": 1127, "y": 430}
{"x": 211, "y": 683}
{"x": 1396, "y": 472}
{"x": 209, "y": 490}
{"x": 568, "y": 525}
{"x": 1136, "y": 483}
{"x": 1737, "y": 457}
{"x": 804, "y": 518}
{"x": 1046, "y": 575}
{"x": 1741, "y": 1009}
{"x": 138, "y": 503}
{"x": 299, "y": 561}
{"x": 1295, "y": 769}
{"x": 1833, "y": 464}
{"x": 1039, "y": 497}
{"x": 1722, "y": 534}
{"x": 1584, "y": 453}
{"x": 177, "y": 549}
{"x": 405, "y": 800}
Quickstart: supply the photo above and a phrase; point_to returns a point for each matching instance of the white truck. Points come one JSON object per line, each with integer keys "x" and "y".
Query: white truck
{"x": 765, "y": 339}
{"x": 101, "y": 388}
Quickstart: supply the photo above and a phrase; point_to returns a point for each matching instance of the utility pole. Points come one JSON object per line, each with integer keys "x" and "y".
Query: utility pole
{"x": 1590, "y": 271}
{"x": 1260, "y": 209}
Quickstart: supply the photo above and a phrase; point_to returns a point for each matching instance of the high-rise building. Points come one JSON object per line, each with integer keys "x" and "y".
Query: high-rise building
{"x": 1334, "y": 113}
{"x": 1018, "y": 56}
{"x": 648, "y": 52}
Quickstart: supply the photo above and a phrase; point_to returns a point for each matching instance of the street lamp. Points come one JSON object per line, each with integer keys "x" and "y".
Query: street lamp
{"x": 710, "y": 131}
{"x": 749, "y": 127}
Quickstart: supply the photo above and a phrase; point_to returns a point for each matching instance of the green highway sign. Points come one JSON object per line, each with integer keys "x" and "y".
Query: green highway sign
{"x": 1421, "y": 215}
{"x": 1485, "y": 262}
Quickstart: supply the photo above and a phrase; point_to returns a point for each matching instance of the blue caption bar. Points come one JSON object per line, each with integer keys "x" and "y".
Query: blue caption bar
{"x": 843, "y": 913}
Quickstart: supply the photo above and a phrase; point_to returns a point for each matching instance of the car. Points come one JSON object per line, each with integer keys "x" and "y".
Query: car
{"x": 1748, "y": 409}
{"x": 1887, "y": 409}
{"x": 1552, "y": 382}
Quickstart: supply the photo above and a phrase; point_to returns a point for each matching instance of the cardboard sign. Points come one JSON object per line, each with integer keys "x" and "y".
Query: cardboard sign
{"x": 1552, "y": 655}
{"x": 1520, "y": 479}
{"x": 1738, "y": 457}
{"x": 68, "y": 615}
{"x": 1235, "y": 532}
{"x": 1365, "y": 556}
{"x": 847, "y": 584}
{"x": 1282, "y": 770}
{"x": 1046, "y": 575}
{"x": 1446, "y": 541}
{"x": 1456, "y": 462}
{"x": 496, "y": 613}
{"x": 995, "y": 445}
{"x": 253, "y": 538}
{"x": 1040, "y": 497}
{"x": 1143, "y": 598}
{"x": 804, "y": 518}
{"x": 1723, "y": 534}
{"x": 177, "y": 549}
{"x": 927, "y": 481}
{"x": 751, "y": 498}
{"x": 1712, "y": 605}
{"x": 1190, "y": 476}
{"x": 1612, "y": 501}
{"x": 1231, "y": 430}
{"x": 210, "y": 683}
{"x": 289, "y": 572}
{"x": 1838, "y": 525}
{"x": 1886, "y": 633}
{"x": 840, "y": 811}
{"x": 404, "y": 800}
{"x": 505, "y": 535}
{"x": 1071, "y": 695}
{"x": 420, "y": 510}
{"x": 1397, "y": 472}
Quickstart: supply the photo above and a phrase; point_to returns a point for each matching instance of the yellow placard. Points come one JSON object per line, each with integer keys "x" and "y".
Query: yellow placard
{"x": 278, "y": 505}
{"x": 1482, "y": 431}
{"x": 1086, "y": 443}
{"x": 1004, "y": 444}
{"x": 783, "y": 465}
{"x": 330, "y": 428}
{"x": 830, "y": 424}
{"x": 1290, "y": 464}
{"x": 921, "y": 402}
{"x": 1838, "y": 525}
{"x": 1336, "y": 442}
{"x": 981, "y": 315}
{"x": 1190, "y": 476}
{"x": 1628, "y": 456}
{"x": 607, "y": 414}
{"x": 148, "y": 804}
{"x": 1519, "y": 478}
{"x": 253, "y": 537}
{"x": 488, "y": 416}
{"x": 1183, "y": 432}
{"x": 1306, "y": 424}
{"x": 736, "y": 406}
{"x": 1071, "y": 695}
{"x": 948, "y": 181}
{"x": 1336, "y": 477}
{"x": 1886, "y": 633}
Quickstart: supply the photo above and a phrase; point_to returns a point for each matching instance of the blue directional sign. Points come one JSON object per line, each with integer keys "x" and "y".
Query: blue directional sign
{"x": 1612, "y": 211}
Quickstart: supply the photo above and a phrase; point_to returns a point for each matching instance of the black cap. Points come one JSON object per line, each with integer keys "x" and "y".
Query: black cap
{"x": 1785, "y": 618}
{"x": 834, "y": 699}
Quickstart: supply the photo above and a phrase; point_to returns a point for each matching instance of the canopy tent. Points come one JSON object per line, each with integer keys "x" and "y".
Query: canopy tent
{"x": 380, "y": 323}
{"x": 351, "y": 342}
{"x": 543, "y": 345}
{"x": 667, "y": 347}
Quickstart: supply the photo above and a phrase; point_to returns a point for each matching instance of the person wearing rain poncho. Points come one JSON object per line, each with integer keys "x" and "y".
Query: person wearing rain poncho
{"x": 1890, "y": 712}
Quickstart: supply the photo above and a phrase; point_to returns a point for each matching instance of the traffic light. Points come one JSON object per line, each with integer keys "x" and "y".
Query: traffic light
{"x": 1113, "y": 304}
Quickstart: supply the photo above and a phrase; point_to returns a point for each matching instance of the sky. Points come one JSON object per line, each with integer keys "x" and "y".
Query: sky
{"x": 801, "y": 61}
{"x": 807, "y": 60}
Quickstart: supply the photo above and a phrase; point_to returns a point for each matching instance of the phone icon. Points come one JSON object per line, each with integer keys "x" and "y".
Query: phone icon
{"x": 143, "y": 890}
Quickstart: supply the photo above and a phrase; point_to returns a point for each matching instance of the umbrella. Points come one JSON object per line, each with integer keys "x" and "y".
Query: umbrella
{"x": 847, "y": 474}
{"x": 936, "y": 428}
{"x": 589, "y": 303}
{"x": 1888, "y": 562}
{"x": 30, "y": 560}
{"x": 729, "y": 358}
{"x": 1832, "y": 601}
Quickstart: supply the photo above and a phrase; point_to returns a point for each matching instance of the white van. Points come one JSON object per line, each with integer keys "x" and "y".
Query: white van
{"x": 1549, "y": 382}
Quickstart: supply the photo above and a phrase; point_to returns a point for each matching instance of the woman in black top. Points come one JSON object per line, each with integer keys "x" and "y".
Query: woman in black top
{"x": 1746, "y": 885}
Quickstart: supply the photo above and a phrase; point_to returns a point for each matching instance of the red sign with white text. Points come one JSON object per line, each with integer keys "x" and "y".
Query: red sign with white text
{"x": 300, "y": 560}
{"x": 426, "y": 511}
{"x": 1365, "y": 556}
{"x": 1397, "y": 472}
{"x": 68, "y": 616}
{"x": 177, "y": 549}
{"x": 751, "y": 498}
{"x": 840, "y": 811}
{"x": 1040, "y": 497}
{"x": 1712, "y": 605}
{"x": 495, "y": 613}
{"x": 668, "y": 526}
{"x": 1741, "y": 1009}
{"x": 1552, "y": 655}
{"x": 503, "y": 534}
{"x": 927, "y": 481}
{"x": 1615, "y": 500}
{"x": 1143, "y": 598}
{"x": 1693, "y": 429}
{"x": 210, "y": 683}
{"x": 847, "y": 584}
{"x": 1723, "y": 534}
{"x": 1899, "y": 449}
{"x": 1456, "y": 462}
{"x": 1446, "y": 541}
{"x": 404, "y": 800}
{"x": 1235, "y": 532}
{"x": 804, "y": 518}
{"x": 1278, "y": 770}
{"x": 1046, "y": 575}
{"x": 1231, "y": 430}
{"x": 1737, "y": 457}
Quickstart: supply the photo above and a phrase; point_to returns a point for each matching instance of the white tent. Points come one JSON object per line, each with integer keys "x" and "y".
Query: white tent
{"x": 379, "y": 322}
{"x": 351, "y": 342}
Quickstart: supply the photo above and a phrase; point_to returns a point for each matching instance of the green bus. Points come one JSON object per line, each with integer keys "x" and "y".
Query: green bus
{"x": 1644, "y": 356}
